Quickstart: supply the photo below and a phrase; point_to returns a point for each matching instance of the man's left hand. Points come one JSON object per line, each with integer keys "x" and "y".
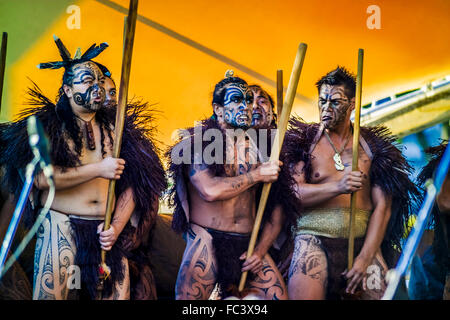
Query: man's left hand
{"x": 357, "y": 274}
{"x": 253, "y": 264}
{"x": 107, "y": 238}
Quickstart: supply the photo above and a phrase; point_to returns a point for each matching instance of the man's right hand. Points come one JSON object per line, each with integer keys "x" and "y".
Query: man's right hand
{"x": 268, "y": 171}
{"x": 111, "y": 168}
{"x": 350, "y": 182}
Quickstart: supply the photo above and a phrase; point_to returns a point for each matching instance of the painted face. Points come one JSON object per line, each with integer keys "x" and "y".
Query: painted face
{"x": 333, "y": 105}
{"x": 262, "y": 114}
{"x": 237, "y": 106}
{"x": 87, "y": 88}
{"x": 110, "y": 93}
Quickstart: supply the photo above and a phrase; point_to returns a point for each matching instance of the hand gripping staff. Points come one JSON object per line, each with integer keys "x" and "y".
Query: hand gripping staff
{"x": 104, "y": 270}
{"x": 278, "y": 142}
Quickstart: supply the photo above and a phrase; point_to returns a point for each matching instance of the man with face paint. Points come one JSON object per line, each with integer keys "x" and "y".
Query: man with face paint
{"x": 109, "y": 85}
{"x": 81, "y": 132}
{"x": 318, "y": 160}
{"x": 215, "y": 204}
{"x": 263, "y": 116}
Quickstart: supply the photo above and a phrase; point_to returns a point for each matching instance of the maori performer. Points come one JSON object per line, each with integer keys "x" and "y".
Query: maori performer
{"x": 275, "y": 232}
{"x": 138, "y": 123}
{"x": 317, "y": 166}
{"x": 430, "y": 275}
{"x": 215, "y": 202}
{"x": 80, "y": 131}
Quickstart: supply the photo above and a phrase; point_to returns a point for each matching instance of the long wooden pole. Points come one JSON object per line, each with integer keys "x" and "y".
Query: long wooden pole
{"x": 121, "y": 109}
{"x": 351, "y": 237}
{"x": 279, "y": 93}
{"x": 2, "y": 64}
{"x": 278, "y": 141}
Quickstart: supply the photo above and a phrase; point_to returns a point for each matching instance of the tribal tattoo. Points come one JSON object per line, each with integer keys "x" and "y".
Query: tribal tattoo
{"x": 268, "y": 283}
{"x": 54, "y": 255}
{"x": 309, "y": 259}
{"x": 88, "y": 86}
{"x": 237, "y": 105}
{"x": 198, "y": 271}
{"x": 333, "y": 105}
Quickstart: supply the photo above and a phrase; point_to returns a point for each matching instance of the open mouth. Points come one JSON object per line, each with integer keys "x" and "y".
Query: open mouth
{"x": 326, "y": 118}
{"x": 257, "y": 116}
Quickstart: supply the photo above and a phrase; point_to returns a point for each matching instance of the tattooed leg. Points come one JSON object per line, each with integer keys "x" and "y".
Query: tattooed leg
{"x": 143, "y": 286}
{"x": 198, "y": 271}
{"x": 308, "y": 270}
{"x": 268, "y": 283}
{"x": 121, "y": 289}
{"x": 15, "y": 284}
{"x": 54, "y": 255}
{"x": 375, "y": 280}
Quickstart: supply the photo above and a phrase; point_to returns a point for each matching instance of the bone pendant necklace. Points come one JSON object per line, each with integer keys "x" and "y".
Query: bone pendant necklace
{"x": 338, "y": 164}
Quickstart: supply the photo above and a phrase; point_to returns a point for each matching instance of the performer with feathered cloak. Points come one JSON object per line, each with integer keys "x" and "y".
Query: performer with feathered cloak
{"x": 317, "y": 167}
{"x": 80, "y": 131}
{"x": 214, "y": 200}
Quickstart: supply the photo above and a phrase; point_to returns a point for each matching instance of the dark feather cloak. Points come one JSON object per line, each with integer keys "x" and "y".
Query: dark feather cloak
{"x": 389, "y": 170}
{"x": 143, "y": 173}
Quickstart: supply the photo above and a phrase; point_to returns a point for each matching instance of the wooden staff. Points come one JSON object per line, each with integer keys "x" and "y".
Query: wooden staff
{"x": 279, "y": 137}
{"x": 120, "y": 114}
{"x": 2, "y": 64}
{"x": 351, "y": 237}
{"x": 279, "y": 93}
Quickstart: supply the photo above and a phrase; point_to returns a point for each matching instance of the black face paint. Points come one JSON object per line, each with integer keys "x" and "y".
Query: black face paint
{"x": 84, "y": 99}
{"x": 88, "y": 86}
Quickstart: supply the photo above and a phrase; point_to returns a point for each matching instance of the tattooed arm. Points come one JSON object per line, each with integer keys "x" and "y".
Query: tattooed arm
{"x": 213, "y": 188}
{"x": 314, "y": 194}
{"x": 108, "y": 168}
{"x": 375, "y": 233}
{"x": 269, "y": 234}
{"x": 124, "y": 209}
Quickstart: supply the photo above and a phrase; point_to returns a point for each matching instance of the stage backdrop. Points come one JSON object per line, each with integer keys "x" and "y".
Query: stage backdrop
{"x": 182, "y": 48}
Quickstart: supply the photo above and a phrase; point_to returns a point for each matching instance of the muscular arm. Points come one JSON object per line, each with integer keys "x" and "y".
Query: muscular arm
{"x": 108, "y": 168}
{"x": 270, "y": 231}
{"x": 124, "y": 208}
{"x": 269, "y": 234}
{"x": 68, "y": 178}
{"x": 213, "y": 188}
{"x": 377, "y": 224}
{"x": 374, "y": 236}
{"x": 312, "y": 195}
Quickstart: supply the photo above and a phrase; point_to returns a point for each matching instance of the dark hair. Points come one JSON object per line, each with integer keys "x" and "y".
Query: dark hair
{"x": 219, "y": 93}
{"x": 337, "y": 77}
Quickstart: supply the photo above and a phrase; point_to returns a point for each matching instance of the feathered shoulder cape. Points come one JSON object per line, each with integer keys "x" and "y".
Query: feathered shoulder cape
{"x": 143, "y": 172}
{"x": 389, "y": 170}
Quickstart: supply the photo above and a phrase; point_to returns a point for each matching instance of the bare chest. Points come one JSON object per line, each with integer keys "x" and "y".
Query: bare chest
{"x": 324, "y": 163}
{"x": 102, "y": 142}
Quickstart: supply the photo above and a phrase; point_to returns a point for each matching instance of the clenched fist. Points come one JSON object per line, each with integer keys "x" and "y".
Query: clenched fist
{"x": 111, "y": 168}
{"x": 268, "y": 171}
{"x": 351, "y": 181}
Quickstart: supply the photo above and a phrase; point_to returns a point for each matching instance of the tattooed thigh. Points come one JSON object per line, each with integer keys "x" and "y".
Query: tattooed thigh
{"x": 198, "y": 271}
{"x": 268, "y": 283}
{"x": 53, "y": 259}
{"x": 309, "y": 260}
{"x": 121, "y": 290}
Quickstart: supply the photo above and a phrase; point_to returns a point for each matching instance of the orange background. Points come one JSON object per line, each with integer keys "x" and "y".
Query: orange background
{"x": 410, "y": 49}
